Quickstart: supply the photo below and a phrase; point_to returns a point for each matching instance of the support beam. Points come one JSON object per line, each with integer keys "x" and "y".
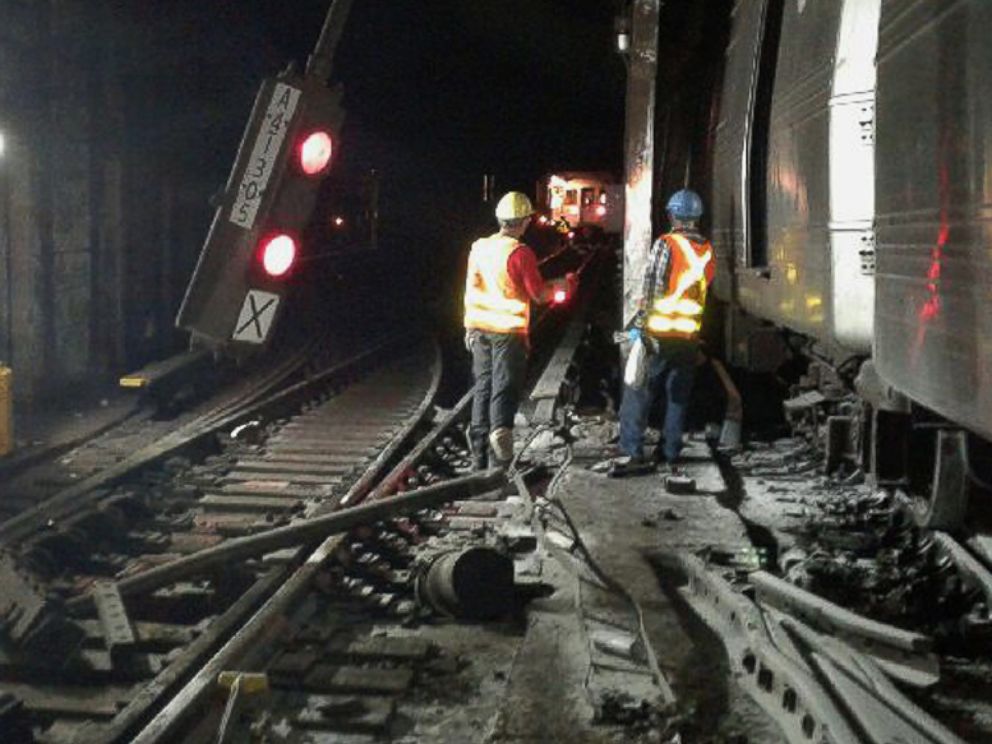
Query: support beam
{"x": 642, "y": 76}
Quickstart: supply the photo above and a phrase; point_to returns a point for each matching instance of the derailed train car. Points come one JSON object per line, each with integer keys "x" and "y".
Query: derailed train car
{"x": 850, "y": 205}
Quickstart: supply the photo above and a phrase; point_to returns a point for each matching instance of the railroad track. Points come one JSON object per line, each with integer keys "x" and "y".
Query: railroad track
{"x": 107, "y": 667}
{"x": 130, "y": 590}
{"x": 26, "y": 486}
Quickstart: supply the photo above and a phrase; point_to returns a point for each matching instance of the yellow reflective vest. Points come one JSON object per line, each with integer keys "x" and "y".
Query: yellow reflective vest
{"x": 492, "y": 302}
{"x": 678, "y": 311}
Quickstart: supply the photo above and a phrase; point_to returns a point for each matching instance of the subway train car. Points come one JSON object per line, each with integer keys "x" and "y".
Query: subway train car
{"x": 849, "y": 199}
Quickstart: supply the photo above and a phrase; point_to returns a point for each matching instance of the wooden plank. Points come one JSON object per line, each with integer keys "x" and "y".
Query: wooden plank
{"x": 67, "y": 701}
{"x": 328, "y": 678}
{"x": 323, "y": 448}
{"x": 319, "y": 458}
{"x": 149, "y": 635}
{"x": 286, "y": 477}
{"x": 274, "y": 488}
{"x": 286, "y": 466}
{"x": 385, "y": 647}
{"x": 249, "y": 503}
{"x": 554, "y": 373}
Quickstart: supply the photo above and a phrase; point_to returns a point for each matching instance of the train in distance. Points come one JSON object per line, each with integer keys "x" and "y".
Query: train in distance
{"x": 582, "y": 201}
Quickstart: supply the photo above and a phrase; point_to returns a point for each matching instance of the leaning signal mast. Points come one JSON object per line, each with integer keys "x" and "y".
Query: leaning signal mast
{"x": 238, "y": 287}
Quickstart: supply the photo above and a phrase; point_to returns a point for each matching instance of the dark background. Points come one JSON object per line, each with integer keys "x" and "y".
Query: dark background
{"x": 437, "y": 93}
{"x": 123, "y": 117}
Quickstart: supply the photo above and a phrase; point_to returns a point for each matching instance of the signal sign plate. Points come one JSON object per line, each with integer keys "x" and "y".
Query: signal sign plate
{"x": 264, "y": 153}
{"x": 255, "y": 318}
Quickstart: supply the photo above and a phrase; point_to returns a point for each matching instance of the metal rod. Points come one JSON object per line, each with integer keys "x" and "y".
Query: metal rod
{"x": 320, "y": 61}
{"x": 829, "y": 617}
{"x": 299, "y": 534}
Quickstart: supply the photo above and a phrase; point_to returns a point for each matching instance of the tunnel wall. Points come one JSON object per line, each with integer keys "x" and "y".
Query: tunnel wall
{"x": 101, "y": 214}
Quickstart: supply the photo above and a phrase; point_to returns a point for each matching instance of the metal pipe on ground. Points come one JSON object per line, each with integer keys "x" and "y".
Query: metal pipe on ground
{"x": 471, "y": 584}
{"x": 299, "y": 534}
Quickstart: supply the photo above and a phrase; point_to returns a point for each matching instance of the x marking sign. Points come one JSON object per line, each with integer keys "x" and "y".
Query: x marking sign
{"x": 256, "y": 316}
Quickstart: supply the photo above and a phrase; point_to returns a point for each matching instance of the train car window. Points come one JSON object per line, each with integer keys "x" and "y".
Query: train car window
{"x": 570, "y": 197}
{"x": 761, "y": 124}
{"x": 588, "y": 197}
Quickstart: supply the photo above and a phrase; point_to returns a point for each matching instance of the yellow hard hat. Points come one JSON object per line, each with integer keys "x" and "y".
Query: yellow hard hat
{"x": 514, "y": 206}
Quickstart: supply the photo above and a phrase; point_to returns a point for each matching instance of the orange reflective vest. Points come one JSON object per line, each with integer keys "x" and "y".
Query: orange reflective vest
{"x": 678, "y": 312}
{"x": 492, "y": 302}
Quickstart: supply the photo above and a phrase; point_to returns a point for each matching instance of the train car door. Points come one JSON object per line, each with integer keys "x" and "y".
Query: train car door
{"x": 852, "y": 176}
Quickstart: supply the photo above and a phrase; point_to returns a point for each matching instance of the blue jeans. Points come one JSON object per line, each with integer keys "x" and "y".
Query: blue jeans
{"x": 499, "y": 365}
{"x": 674, "y": 366}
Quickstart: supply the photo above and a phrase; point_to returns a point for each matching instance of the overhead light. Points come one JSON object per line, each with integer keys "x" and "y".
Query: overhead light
{"x": 3, "y": 144}
{"x": 621, "y": 30}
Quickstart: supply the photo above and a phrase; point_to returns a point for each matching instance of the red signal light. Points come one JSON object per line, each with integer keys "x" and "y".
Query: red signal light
{"x": 315, "y": 153}
{"x": 560, "y": 296}
{"x": 278, "y": 254}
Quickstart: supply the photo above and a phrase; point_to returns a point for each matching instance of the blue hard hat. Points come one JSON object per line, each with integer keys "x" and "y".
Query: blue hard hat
{"x": 685, "y": 205}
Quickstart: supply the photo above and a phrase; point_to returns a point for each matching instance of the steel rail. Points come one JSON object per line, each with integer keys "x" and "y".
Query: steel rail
{"x": 182, "y": 671}
{"x": 974, "y": 574}
{"x": 244, "y": 649}
{"x": 902, "y": 653}
{"x": 864, "y": 688}
{"x": 785, "y": 688}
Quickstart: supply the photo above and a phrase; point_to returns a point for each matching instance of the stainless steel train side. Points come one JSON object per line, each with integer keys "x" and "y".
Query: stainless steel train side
{"x": 792, "y": 194}
{"x": 933, "y": 337}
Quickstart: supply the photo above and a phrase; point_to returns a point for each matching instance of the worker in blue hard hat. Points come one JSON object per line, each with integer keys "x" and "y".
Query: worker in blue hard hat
{"x": 679, "y": 272}
{"x": 501, "y": 282}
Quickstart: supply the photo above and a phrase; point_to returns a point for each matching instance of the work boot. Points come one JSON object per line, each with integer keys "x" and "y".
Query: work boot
{"x": 480, "y": 462}
{"x": 501, "y": 440}
{"x": 625, "y": 465}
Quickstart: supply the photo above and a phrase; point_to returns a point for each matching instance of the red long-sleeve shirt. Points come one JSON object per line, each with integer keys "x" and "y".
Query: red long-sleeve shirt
{"x": 522, "y": 269}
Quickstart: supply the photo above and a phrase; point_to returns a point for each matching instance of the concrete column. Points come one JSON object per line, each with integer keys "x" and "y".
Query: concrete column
{"x": 69, "y": 152}
{"x": 23, "y": 109}
{"x": 27, "y": 271}
{"x": 639, "y": 166}
{"x": 109, "y": 278}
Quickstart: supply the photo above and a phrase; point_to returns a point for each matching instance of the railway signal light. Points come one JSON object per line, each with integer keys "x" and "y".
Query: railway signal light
{"x": 315, "y": 152}
{"x": 278, "y": 254}
{"x": 254, "y": 243}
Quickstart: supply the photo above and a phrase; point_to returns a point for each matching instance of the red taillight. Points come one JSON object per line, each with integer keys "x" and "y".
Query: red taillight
{"x": 278, "y": 254}
{"x": 315, "y": 153}
{"x": 600, "y": 210}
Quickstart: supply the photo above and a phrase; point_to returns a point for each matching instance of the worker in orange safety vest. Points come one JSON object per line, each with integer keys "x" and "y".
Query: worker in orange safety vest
{"x": 676, "y": 283}
{"x": 501, "y": 282}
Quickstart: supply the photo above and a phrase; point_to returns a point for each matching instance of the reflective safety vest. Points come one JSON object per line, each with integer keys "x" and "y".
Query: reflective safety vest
{"x": 492, "y": 302}
{"x": 678, "y": 311}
